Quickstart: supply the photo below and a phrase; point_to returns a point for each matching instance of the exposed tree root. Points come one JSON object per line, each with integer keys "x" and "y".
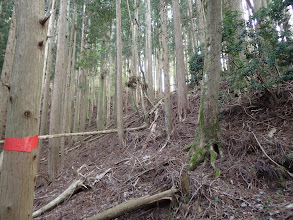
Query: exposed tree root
{"x": 133, "y": 205}
{"x": 202, "y": 154}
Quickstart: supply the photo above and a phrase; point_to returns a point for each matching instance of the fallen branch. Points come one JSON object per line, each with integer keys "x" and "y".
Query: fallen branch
{"x": 148, "y": 99}
{"x": 100, "y": 176}
{"x": 67, "y": 193}
{"x": 133, "y": 205}
{"x": 44, "y": 137}
{"x": 278, "y": 165}
{"x": 155, "y": 106}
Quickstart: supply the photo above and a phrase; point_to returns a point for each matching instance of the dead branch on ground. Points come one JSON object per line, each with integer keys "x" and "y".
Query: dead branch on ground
{"x": 274, "y": 162}
{"x": 133, "y": 205}
{"x": 67, "y": 193}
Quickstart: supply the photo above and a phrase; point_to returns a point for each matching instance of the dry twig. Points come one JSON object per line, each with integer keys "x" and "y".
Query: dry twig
{"x": 274, "y": 162}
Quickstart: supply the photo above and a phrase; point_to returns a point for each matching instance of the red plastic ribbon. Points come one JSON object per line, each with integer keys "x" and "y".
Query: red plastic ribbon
{"x": 25, "y": 144}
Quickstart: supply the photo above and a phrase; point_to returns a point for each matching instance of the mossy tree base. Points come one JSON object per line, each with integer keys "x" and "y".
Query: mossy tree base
{"x": 203, "y": 154}
{"x": 206, "y": 146}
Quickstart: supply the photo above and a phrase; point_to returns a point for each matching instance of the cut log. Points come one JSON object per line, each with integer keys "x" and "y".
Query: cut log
{"x": 67, "y": 193}
{"x": 133, "y": 205}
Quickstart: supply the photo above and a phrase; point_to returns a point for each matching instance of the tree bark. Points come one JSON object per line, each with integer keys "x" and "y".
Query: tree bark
{"x": 159, "y": 72}
{"x": 148, "y": 52}
{"x": 192, "y": 26}
{"x": 200, "y": 21}
{"x": 82, "y": 77}
{"x": 109, "y": 85}
{"x": 167, "y": 97}
{"x": 135, "y": 50}
{"x": 180, "y": 67}
{"x": 55, "y": 113}
{"x": 72, "y": 84}
{"x": 206, "y": 141}
{"x": 46, "y": 89}
{"x": 120, "y": 125}
{"x": 6, "y": 74}
{"x": 101, "y": 110}
{"x": 65, "y": 121}
{"x": 19, "y": 168}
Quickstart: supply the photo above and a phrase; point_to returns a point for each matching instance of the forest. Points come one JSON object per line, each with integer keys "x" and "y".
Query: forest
{"x": 140, "y": 109}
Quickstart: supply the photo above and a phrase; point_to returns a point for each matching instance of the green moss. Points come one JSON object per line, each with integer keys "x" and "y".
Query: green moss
{"x": 197, "y": 158}
{"x": 213, "y": 157}
{"x": 188, "y": 147}
{"x": 218, "y": 173}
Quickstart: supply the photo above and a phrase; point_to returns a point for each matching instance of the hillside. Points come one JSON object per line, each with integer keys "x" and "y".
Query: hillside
{"x": 250, "y": 185}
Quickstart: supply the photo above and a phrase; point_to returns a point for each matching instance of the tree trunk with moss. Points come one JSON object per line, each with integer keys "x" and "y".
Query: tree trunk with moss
{"x": 207, "y": 144}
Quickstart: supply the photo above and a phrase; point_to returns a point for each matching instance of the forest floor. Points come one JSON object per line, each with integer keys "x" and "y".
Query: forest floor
{"x": 250, "y": 185}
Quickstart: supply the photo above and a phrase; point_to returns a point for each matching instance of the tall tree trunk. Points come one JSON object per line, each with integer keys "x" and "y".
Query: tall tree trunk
{"x": 120, "y": 125}
{"x": 77, "y": 105}
{"x": 148, "y": 52}
{"x": 6, "y": 74}
{"x": 200, "y": 21}
{"x": 55, "y": 113}
{"x": 46, "y": 89}
{"x": 180, "y": 67}
{"x": 192, "y": 26}
{"x": 65, "y": 121}
{"x": 82, "y": 77}
{"x": 135, "y": 52}
{"x": 207, "y": 143}
{"x": 160, "y": 66}
{"x": 167, "y": 97}
{"x": 72, "y": 86}
{"x": 92, "y": 95}
{"x": 158, "y": 72}
{"x": 19, "y": 168}
{"x": 101, "y": 109}
{"x": 109, "y": 82}
{"x": 115, "y": 96}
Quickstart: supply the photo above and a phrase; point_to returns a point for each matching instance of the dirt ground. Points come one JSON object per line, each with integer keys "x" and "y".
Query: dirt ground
{"x": 250, "y": 185}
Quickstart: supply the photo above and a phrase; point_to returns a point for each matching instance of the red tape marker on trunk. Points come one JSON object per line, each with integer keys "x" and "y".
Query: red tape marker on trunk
{"x": 25, "y": 144}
